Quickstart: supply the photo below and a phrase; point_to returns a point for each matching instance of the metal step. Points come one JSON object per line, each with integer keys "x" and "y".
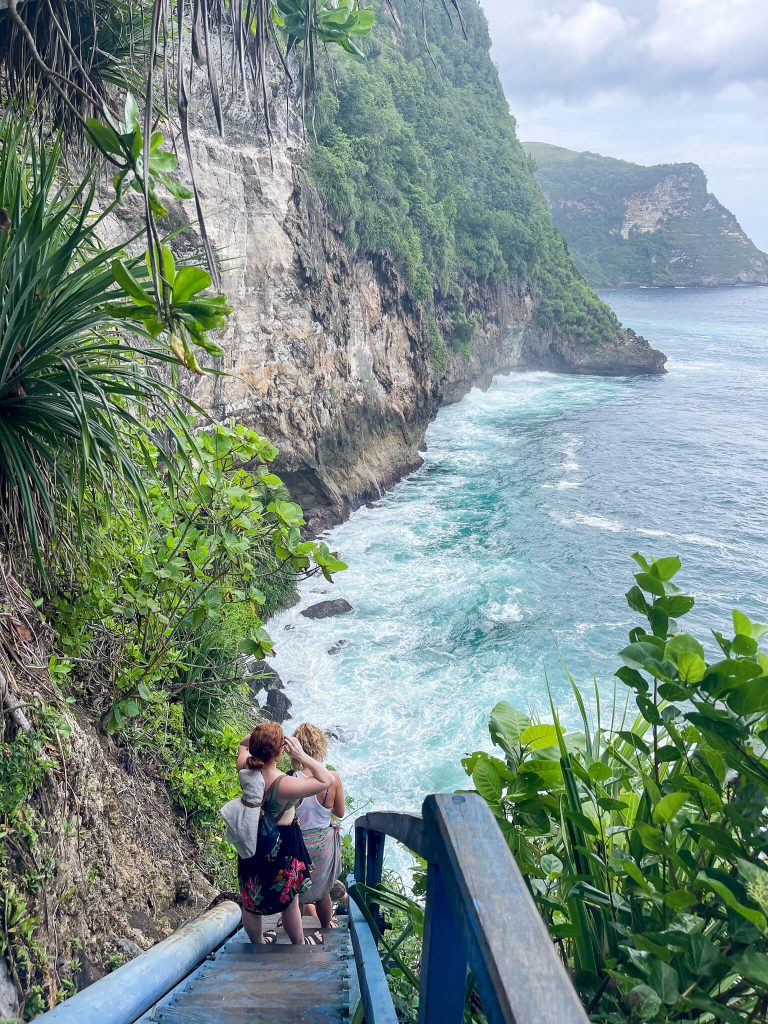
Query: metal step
{"x": 247, "y": 983}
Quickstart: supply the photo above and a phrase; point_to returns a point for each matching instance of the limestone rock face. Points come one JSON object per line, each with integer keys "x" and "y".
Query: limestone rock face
{"x": 630, "y": 225}
{"x": 326, "y": 354}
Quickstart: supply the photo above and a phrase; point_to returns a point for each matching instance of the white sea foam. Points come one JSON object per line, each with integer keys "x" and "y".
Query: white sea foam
{"x": 507, "y": 611}
{"x": 598, "y": 522}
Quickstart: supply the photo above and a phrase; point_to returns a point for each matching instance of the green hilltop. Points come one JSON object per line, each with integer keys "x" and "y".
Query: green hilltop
{"x": 416, "y": 153}
{"x": 630, "y": 225}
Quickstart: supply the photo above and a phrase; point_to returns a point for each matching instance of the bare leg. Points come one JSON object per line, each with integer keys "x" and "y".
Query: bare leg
{"x": 253, "y": 926}
{"x": 292, "y": 922}
{"x": 325, "y": 912}
{"x": 309, "y": 909}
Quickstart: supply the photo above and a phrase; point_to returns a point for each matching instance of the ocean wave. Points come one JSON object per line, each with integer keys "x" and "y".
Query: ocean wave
{"x": 507, "y": 611}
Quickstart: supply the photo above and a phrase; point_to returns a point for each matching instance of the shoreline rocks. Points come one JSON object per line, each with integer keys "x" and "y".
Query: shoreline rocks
{"x": 262, "y": 678}
{"x": 328, "y": 609}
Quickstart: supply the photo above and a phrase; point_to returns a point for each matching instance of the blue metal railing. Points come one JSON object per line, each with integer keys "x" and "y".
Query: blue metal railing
{"x": 479, "y": 916}
{"x": 123, "y": 996}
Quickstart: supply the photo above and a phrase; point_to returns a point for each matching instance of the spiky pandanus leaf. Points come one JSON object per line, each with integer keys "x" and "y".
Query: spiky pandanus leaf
{"x": 70, "y": 384}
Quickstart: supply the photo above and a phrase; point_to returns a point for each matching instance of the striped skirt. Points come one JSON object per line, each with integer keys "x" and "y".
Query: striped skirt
{"x": 324, "y": 846}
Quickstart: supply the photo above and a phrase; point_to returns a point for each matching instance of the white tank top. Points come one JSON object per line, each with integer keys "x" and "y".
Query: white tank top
{"x": 311, "y": 812}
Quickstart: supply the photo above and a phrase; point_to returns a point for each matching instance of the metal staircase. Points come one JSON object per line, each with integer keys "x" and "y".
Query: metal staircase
{"x": 479, "y": 917}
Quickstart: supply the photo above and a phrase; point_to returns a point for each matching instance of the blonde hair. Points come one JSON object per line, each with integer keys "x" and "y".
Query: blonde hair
{"x": 313, "y": 740}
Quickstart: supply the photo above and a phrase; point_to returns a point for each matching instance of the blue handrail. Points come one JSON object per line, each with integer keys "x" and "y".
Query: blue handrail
{"x": 123, "y": 996}
{"x": 479, "y": 915}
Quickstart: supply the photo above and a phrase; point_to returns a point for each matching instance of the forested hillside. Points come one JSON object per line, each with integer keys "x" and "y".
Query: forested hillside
{"x": 416, "y": 153}
{"x": 632, "y": 225}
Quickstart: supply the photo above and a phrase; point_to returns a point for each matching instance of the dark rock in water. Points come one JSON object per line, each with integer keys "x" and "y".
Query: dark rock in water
{"x": 262, "y": 677}
{"x": 277, "y": 708}
{"x": 328, "y": 609}
{"x": 338, "y": 647}
{"x": 335, "y": 735}
{"x": 289, "y": 626}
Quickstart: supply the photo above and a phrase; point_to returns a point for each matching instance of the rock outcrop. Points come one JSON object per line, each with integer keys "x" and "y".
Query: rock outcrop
{"x": 629, "y": 225}
{"x": 326, "y": 352}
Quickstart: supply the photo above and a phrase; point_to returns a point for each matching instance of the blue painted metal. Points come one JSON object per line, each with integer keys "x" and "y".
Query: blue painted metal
{"x": 478, "y": 912}
{"x": 123, "y": 996}
{"x": 378, "y": 1007}
{"x": 444, "y": 962}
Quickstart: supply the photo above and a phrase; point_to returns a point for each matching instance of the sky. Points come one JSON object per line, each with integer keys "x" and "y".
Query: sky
{"x": 652, "y": 81}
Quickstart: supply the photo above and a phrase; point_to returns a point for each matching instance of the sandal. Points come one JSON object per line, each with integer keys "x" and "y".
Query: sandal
{"x": 270, "y": 938}
{"x": 314, "y": 940}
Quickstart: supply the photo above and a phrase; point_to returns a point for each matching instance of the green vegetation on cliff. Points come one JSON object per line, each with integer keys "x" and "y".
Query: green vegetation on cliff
{"x": 632, "y": 225}
{"x": 420, "y": 162}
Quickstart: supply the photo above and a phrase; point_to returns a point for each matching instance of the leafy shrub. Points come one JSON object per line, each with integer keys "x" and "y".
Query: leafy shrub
{"x": 174, "y": 598}
{"x": 644, "y": 847}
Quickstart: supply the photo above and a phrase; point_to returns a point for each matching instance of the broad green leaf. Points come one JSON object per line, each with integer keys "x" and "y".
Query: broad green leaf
{"x": 132, "y": 115}
{"x": 668, "y": 806}
{"x": 647, "y": 657}
{"x": 104, "y": 135}
{"x": 691, "y": 667}
{"x": 507, "y": 726}
{"x": 663, "y": 979}
{"x": 130, "y": 285}
{"x": 487, "y": 781}
{"x": 551, "y": 865}
{"x": 675, "y": 605}
{"x": 537, "y": 737}
{"x": 725, "y": 888}
{"x": 680, "y": 644}
{"x": 188, "y": 282}
{"x": 599, "y": 771}
{"x": 753, "y": 964}
{"x": 642, "y": 1002}
{"x": 666, "y": 568}
{"x": 679, "y": 899}
{"x": 651, "y": 584}
{"x": 128, "y": 708}
{"x": 741, "y": 624}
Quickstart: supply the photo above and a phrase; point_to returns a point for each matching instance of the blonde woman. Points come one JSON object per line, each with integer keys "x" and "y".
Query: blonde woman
{"x": 321, "y": 837}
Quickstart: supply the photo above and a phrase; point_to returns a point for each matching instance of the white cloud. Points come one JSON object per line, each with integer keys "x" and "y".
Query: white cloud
{"x": 652, "y": 81}
{"x": 581, "y": 36}
{"x": 721, "y": 38}
{"x": 580, "y": 46}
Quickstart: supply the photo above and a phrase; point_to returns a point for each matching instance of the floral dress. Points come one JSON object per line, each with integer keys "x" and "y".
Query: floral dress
{"x": 272, "y": 877}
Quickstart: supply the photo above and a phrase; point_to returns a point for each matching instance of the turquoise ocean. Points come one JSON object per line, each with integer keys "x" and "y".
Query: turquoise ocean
{"x": 512, "y": 543}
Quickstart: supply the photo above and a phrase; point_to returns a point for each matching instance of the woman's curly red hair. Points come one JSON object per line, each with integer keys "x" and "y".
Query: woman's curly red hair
{"x": 265, "y": 744}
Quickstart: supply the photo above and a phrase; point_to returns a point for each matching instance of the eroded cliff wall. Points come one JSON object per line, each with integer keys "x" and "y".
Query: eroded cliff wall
{"x": 326, "y": 352}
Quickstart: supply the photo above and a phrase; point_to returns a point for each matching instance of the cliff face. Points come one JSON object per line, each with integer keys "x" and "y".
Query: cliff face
{"x": 632, "y": 225}
{"x": 327, "y": 354}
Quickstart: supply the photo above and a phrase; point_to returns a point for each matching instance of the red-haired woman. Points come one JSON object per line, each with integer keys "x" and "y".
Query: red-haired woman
{"x": 269, "y": 880}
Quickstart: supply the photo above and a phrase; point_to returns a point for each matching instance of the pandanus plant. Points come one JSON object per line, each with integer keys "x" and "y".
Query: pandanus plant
{"x": 73, "y": 382}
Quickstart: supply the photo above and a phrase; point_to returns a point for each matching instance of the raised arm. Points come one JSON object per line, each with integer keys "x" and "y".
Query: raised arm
{"x": 338, "y": 796}
{"x": 242, "y": 752}
{"x": 319, "y": 776}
